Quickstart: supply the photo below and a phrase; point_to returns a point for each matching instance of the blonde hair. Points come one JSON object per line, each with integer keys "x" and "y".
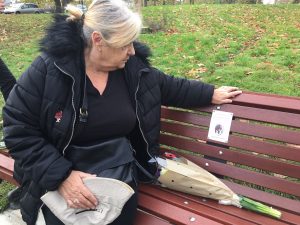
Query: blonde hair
{"x": 117, "y": 24}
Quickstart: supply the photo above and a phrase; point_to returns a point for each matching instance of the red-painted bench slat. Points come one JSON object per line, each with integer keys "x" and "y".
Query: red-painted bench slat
{"x": 283, "y": 151}
{"x": 256, "y": 114}
{"x": 255, "y": 130}
{"x": 264, "y": 180}
{"x": 6, "y": 162}
{"x": 268, "y": 181}
{"x": 210, "y": 208}
{"x": 182, "y": 201}
{"x": 287, "y": 151}
{"x": 6, "y": 168}
{"x": 144, "y": 218}
{"x": 276, "y": 201}
{"x": 269, "y": 101}
{"x": 172, "y": 213}
{"x": 249, "y": 159}
{"x": 199, "y": 115}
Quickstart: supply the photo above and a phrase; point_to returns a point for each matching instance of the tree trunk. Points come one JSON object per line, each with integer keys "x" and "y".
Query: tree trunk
{"x": 138, "y": 5}
{"x": 66, "y": 2}
{"x": 58, "y": 7}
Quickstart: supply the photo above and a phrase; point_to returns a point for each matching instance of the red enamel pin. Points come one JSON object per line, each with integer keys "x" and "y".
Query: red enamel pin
{"x": 58, "y": 116}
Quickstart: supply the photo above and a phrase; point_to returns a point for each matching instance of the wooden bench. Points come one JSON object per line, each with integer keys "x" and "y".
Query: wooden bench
{"x": 260, "y": 161}
{"x": 7, "y": 167}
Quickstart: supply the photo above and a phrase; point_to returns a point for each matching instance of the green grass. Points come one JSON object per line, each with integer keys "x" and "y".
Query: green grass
{"x": 5, "y": 188}
{"x": 19, "y": 36}
{"x": 254, "y": 47}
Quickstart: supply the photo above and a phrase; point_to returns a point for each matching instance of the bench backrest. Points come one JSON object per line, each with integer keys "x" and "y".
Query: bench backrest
{"x": 262, "y": 157}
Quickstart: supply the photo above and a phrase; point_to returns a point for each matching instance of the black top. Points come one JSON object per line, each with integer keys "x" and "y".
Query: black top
{"x": 110, "y": 114}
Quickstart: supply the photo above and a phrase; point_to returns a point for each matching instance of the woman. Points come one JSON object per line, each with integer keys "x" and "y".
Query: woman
{"x": 91, "y": 83}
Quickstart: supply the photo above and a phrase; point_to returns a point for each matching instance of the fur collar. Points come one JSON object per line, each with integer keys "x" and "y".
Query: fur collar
{"x": 64, "y": 38}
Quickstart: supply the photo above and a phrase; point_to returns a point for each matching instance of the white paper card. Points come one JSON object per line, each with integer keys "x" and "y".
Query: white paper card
{"x": 219, "y": 127}
{"x": 162, "y": 162}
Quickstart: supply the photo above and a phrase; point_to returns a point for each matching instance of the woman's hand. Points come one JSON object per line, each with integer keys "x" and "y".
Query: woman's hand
{"x": 225, "y": 94}
{"x": 76, "y": 194}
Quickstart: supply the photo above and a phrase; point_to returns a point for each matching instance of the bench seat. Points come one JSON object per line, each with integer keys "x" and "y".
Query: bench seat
{"x": 203, "y": 209}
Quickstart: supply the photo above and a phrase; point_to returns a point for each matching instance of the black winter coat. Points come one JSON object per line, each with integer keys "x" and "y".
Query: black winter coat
{"x": 52, "y": 86}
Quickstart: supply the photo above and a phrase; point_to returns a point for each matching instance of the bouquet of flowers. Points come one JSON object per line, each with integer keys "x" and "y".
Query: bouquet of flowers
{"x": 183, "y": 175}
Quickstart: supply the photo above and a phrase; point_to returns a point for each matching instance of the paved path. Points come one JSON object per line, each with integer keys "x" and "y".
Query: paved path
{"x": 13, "y": 217}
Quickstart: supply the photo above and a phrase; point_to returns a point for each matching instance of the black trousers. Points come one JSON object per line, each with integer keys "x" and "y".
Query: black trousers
{"x": 126, "y": 217}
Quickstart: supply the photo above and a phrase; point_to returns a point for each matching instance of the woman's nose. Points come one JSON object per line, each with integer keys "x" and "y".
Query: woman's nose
{"x": 131, "y": 50}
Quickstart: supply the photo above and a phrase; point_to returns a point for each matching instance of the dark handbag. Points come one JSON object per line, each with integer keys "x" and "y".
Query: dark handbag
{"x": 111, "y": 158}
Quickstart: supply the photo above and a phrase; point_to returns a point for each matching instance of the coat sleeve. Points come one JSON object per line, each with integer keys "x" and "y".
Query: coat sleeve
{"x": 27, "y": 143}
{"x": 7, "y": 80}
{"x": 185, "y": 93}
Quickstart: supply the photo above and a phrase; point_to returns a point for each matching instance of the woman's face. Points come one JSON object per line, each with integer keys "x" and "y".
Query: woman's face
{"x": 115, "y": 58}
{"x": 105, "y": 58}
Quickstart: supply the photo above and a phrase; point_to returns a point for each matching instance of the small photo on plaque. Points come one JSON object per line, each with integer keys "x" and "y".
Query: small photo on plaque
{"x": 219, "y": 127}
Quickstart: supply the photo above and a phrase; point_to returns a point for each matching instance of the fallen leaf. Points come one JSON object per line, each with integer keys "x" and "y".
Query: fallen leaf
{"x": 248, "y": 73}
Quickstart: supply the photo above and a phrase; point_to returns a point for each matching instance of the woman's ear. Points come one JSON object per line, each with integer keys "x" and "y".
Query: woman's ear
{"x": 97, "y": 39}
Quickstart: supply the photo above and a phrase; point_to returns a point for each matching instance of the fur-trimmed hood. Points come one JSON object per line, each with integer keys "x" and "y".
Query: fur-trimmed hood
{"x": 64, "y": 38}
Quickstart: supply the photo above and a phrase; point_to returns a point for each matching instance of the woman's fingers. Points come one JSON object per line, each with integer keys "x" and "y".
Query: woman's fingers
{"x": 87, "y": 199}
{"x": 224, "y": 94}
{"x": 232, "y": 94}
{"x": 226, "y": 101}
{"x": 229, "y": 88}
{"x": 81, "y": 203}
{"x": 76, "y": 193}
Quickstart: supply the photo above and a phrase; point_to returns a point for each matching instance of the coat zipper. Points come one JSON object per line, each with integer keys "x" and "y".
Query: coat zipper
{"x": 137, "y": 116}
{"x": 73, "y": 105}
{"x": 73, "y": 125}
